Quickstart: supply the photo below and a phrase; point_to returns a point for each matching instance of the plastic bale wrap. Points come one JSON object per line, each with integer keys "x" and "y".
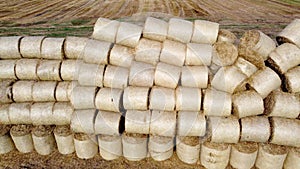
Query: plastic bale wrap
{"x": 62, "y": 91}
{"x": 7, "y": 69}
{"x": 26, "y": 69}
{"x": 107, "y": 123}
{"x": 110, "y": 147}
{"x": 83, "y": 121}
{"x": 290, "y": 34}
{"x": 6, "y": 144}
{"x": 109, "y": 99}
{"x": 188, "y": 149}
{"x": 21, "y": 135}
{"x": 96, "y": 52}
{"x": 86, "y": 146}
{"x": 116, "y": 77}
{"x": 224, "y": 54}
{"x": 121, "y": 56}
{"x": 42, "y": 113}
{"x": 148, "y": 51}
{"x": 91, "y": 74}
{"x": 19, "y": 113}
{"x": 135, "y": 146}
{"x": 188, "y": 99}
{"x": 49, "y": 70}
{"x": 74, "y": 47}
{"x": 155, "y": 29}
{"x": 191, "y": 124}
{"x": 205, "y": 32}
{"x": 194, "y": 76}
{"x": 180, "y": 30}
{"x": 106, "y": 30}
{"x": 44, "y": 91}
{"x": 136, "y": 98}
{"x": 141, "y": 74}
{"x": 69, "y": 69}
{"x": 163, "y": 123}
{"x": 292, "y": 80}
{"x": 137, "y": 121}
{"x": 62, "y": 113}
{"x": 22, "y": 91}
{"x": 255, "y": 129}
{"x": 6, "y": 93}
{"x": 30, "y": 46}
{"x": 293, "y": 159}
{"x": 128, "y": 34}
{"x": 53, "y": 48}
{"x": 4, "y": 114}
{"x": 64, "y": 139}
{"x": 167, "y": 75}
{"x": 162, "y": 99}
{"x": 83, "y": 97}
{"x": 245, "y": 67}
{"x": 271, "y": 156}
{"x": 243, "y": 155}
{"x": 9, "y": 47}
{"x": 226, "y": 36}
{"x": 160, "y": 148}
{"x": 173, "y": 53}
{"x": 198, "y": 54}
{"x": 43, "y": 140}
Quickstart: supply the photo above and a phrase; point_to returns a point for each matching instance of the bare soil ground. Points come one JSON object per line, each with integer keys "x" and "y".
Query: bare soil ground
{"x": 59, "y": 18}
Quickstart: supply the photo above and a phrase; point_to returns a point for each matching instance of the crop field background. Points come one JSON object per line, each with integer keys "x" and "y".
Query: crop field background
{"x": 60, "y": 18}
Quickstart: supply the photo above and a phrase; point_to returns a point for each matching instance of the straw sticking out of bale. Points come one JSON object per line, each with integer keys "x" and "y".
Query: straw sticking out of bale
{"x": 243, "y": 155}
{"x": 226, "y": 36}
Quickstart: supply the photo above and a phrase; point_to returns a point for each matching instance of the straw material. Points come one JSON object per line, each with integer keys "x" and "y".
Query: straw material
{"x": 62, "y": 113}
{"x": 226, "y": 36}
{"x": 167, "y": 75}
{"x": 155, "y": 29}
{"x": 19, "y": 113}
{"x": 74, "y": 46}
{"x": 128, "y": 34}
{"x": 105, "y": 30}
{"x": 134, "y": 146}
{"x": 83, "y": 121}
{"x": 255, "y": 129}
{"x": 116, "y": 77}
{"x": 188, "y": 99}
{"x": 52, "y": 48}
{"x": 137, "y": 121}
{"x": 198, "y": 54}
{"x": 64, "y": 139}
{"x": 141, "y": 74}
{"x": 162, "y": 99}
{"x": 290, "y": 34}
{"x": 292, "y": 80}
{"x": 191, "y": 123}
{"x": 148, "y": 51}
{"x": 7, "y": 69}
{"x": 44, "y": 91}
{"x": 163, "y": 123}
{"x": 26, "y": 69}
{"x": 188, "y": 149}
{"x": 42, "y": 113}
{"x": 30, "y": 46}
{"x": 91, "y": 74}
{"x": 110, "y": 147}
{"x": 9, "y": 47}
{"x": 21, "y": 135}
{"x": 83, "y": 97}
{"x": 96, "y": 52}
{"x": 49, "y": 70}
{"x": 205, "y": 32}
{"x": 136, "y": 98}
{"x": 85, "y": 146}
{"x": 4, "y": 114}
{"x": 180, "y": 30}
{"x": 243, "y": 155}
{"x": 43, "y": 140}
{"x": 107, "y": 123}
{"x": 245, "y": 67}
{"x": 160, "y": 148}
{"x": 121, "y": 56}
{"x": 194, "y": 76}
{"x": 109, "y": 99}
{"x": 6, "y": 94}
{"x": 173, "y": 53}
{"x": 69, "y": 69}
{"x": 22, "y": 91}
{"x": 215, "y": 156}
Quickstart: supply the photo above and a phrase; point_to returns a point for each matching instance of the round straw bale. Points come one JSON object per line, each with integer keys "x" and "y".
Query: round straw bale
{"x": 91, "y": 74}
{"x": 205, "y": 32}
{"x": 188, "y": 99}
{"x": 109, "y": 99}
{"x": 128, "y": 34}
{"x": 4, "y": 114}
{"x": 217, "y": 103}
{"x": 44, "y": 91}
{"x": 173, "y": 53}
{"x": 134, "y": 146}
{"x": 7, "y": 69}
{"x": 293, "y": 159}
{"x": 116, "y": 77}
{"x": 198, "y": 54}
{"x": 106, "y": 30}
{"x": 180, "y": 30}
{"x": 43, "y": 140}
{"x": 6, "y": 144}
{"x": 49, "y": 70}
{"x": 110, "y": 146}
{"x": 224, "y": 53}
{"x": 22, "y": 91}
{"x": 96, "y": 52}
{"x": 148, "y": 51}
{"x": 83, "y": 97}
{"x": 121, "y": 56}
{"x": 248, "y": 103}
{"x": 9, "y": 47}
{"x": 26, "y": 69}
{"x": 64, "y": 139}
{"x": 243, "y": 155}
{"x": 141, "y": 74}
{"x": 226, "y": 36}
{"x": 74, "y": 47}
{"x": 107, "y": 123}
{"x": 30, "y": 46}
{"x": 161, "y": 148}
{"x": 42, "y": 113}
{"x": 69, "y": 69}
{"x": 290, "y": 34}
{"x": 83, "y": 121}
{"x": 194, "y": 76}
{"x": 163, "y": 123}
{"x": 21, "y": 135}
{"x": 255, "y": 129}
{"x": 188, "y": 149}
{"x": 214, "y": 155}
{"x": 245, "y": 67}
{"x": 85, "y": 146}
{"x": 191, "y": 123}
{"x": 136, "y": 98}
{"x": 52, "y": 48}
{"x": 19, "y": 113}
{"x": 137, "y": 121}
{"x": 292, "y": 80}
{"x": 162, "y": 99}
{"x": 6, "y": 92}
{"x": 62, "y": 113}
{"x": 62, "y": 90}
{"x": 155, "y": 29}
{"x": 167, "y": 75}
{"x": 271, "y": 156}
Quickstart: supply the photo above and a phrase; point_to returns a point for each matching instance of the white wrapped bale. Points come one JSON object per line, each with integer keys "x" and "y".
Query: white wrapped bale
{"x": 42, "y": 113}
{"x": 217, "y": 103}
{"x": 64, "y": 139}
{"x": 163, "y": 123}
{"x": 19, "y": 113}
{"x": 141, "y": 74}
{"x": 109, "y": 99}
{"x": 7, "y": 69}
{"x": 83, "y": 97}
{"x": 224, "y": 54}
{"x": 180, "y": 30}
{"x": 6, "y": 144}
{"x": 128, "y": 34}
{"x": 6, "y": 92}
{"x": 44, "y": 91}
{"x": 173, "y": 53}
{"x": 26, "y": 69}
{"x": 110, "y": 147}
{"x": 136, "y": 98}
{"x": 205, "y": 32}
{"x": 162, "y": 99}
{"x": 49, "y": 70}
{"x": 62, "y": 113}
{"x": 134, "y": 146}
{"x": 167, "y": 75}
{"x": 188, "y": 149}
{"x": 161, "y": 148}
{"x": 22, "y": 91}
{"x": 85, "y": 146}
{"x": 226, "y": 36}
{"x": 255, "y": 129}
{"x": 290, "y": 34}
{"x": 116, "y": 77}
{"x": 121, "y": 56}
{"x": 270, "y": 156}
{"x": 137, "y": 121}
{"x": 52, "y": 48}
{"x": 83, "y": 121}
{"x": 292, "y": 80}
{"x": 188, "y": 99}
{"x": 43, "y": 140}
{"x": 74, "y": 47}
{"x": 245, "y": 67}
{"x": 293, "y": 159}
{"x": 4, "y": 114}
{"x": 69, "y": 69}
{"x": 9, "y": 47}
{"x": 91, "y": 74}
{"x": 191, "y": 124}
{"x": 194, "y": 76}
{"x": 198, "y": 54}
{"x": 96, "y": 52}
{"x": 155, "y": 29}
{"x": 62, "y": 91}
{"x": 148, "y": 51}
{"x": 105, "y": 30}
{"x": 107, "y": 123}
{"x": 21, "y": 135}
{"x": 30, "y": 46}
{"x": 243, "y": 155}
